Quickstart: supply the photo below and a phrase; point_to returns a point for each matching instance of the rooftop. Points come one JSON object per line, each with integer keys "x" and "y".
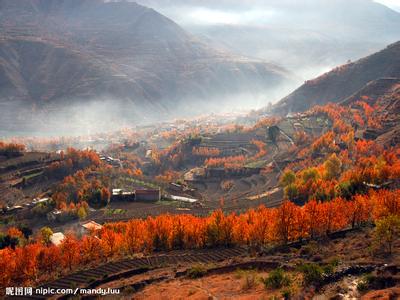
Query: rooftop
{"x": 183, "y": 199}
{"x": 147, "y": 191}
{"x": 92, "y": 225}
{"x": 56, "y": 238}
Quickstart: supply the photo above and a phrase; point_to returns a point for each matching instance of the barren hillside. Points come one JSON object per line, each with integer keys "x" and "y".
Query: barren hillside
{"x": 342, "y": 82}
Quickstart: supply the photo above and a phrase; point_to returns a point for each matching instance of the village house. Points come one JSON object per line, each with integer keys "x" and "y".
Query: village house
{"x": 137, "y": 195}
{"x": 183, "y": 199}
{"x": 147, "y": 194}
{"x": 41, "y": 200}
{"x": 89, "y": 227}
{"x": 17, "y": 211}
{"x": 14, "y": 209}
{"x": 121, "y": 195}
{"x": 115, "y": 162}
{"x": 56, "y": 238}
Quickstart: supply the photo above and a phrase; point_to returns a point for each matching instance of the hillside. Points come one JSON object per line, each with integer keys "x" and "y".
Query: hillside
{"x": 384, "y": 97}
{"x": 60, "y": 53}
{"x": 312, "y": 202}
{"x": 342, "y": 82}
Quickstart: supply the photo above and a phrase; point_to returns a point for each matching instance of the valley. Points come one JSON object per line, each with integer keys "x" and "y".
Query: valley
{"x": 142, "y": 159}
{"x": 203, "y": 170}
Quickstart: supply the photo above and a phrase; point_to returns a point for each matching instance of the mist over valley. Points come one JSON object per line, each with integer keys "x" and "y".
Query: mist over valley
{"x": 84, "y": 66}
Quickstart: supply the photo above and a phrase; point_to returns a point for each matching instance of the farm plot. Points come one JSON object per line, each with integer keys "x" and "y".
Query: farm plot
{"x": 125, "y": 268}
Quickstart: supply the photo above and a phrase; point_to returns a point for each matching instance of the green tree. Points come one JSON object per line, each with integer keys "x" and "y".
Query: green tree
{"x": 82, "y": 214}
{"x": 310, "y": 174}
{"x": 312, "y": 274}
{"x": 277, "y": 279}
{"x": 288, "y": 177}
{"x": 291, "y": 192}
{"x": 46, "y": 233}
{"x": 387, "y": 232}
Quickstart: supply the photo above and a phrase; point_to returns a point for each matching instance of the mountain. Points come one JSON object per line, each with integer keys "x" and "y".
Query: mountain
{"x": 125, "y": 59}
{"x": 307, "y": 37}
{"x": 342, "y": 82}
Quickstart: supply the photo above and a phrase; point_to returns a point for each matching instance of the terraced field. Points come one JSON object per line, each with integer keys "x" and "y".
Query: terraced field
{"x": 92, "y": 278}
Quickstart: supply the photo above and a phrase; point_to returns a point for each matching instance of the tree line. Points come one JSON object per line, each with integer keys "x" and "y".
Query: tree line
{"x": 34, "y": 259}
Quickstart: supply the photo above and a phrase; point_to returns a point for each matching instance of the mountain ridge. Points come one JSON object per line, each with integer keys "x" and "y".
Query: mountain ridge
{"x": 342, "y": 82}
{"x": 121, "y": 51}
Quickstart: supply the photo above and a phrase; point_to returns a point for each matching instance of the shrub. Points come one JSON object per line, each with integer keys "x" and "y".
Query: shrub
{"x": 312, "y": 274}
{"x": 196, "y": 272}
{"x": 364, "y": 283}
{"x": 328, "y": 269}
{"x": 310, "y": 249}
{"x": 277, "y": 279}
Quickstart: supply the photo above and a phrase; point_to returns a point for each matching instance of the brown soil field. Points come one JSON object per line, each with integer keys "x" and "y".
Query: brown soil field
{"x": 225, "y": 286}
{"x": 241, "y": 278}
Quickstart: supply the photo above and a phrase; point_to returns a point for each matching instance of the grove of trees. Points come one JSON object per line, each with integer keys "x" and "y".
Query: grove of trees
{"x": 35, "y": 260}
{"x": 338, "y": 179}
{"x": 11, "y": 149}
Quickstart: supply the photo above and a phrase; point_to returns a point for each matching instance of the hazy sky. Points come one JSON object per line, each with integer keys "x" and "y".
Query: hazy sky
{"x": 393, "y": 4}
{"x": 243, "y": 12}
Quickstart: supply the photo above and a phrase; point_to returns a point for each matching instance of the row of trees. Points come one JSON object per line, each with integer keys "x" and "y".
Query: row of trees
{"x": 338, "y": 165}
{"x": 228, "y": 162}
{"x": 11, "y": 149}
{"x": 71, "y": 161}
{"x": 344, "y": 174}
{"x": 88, "y": 185}
{"x": 372, "y": 120}
{"x": 206, "y": 151}
{"x": 37, "y": 261}
{"x": 360, "y": 114}
{"x": 261, "y": 149}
